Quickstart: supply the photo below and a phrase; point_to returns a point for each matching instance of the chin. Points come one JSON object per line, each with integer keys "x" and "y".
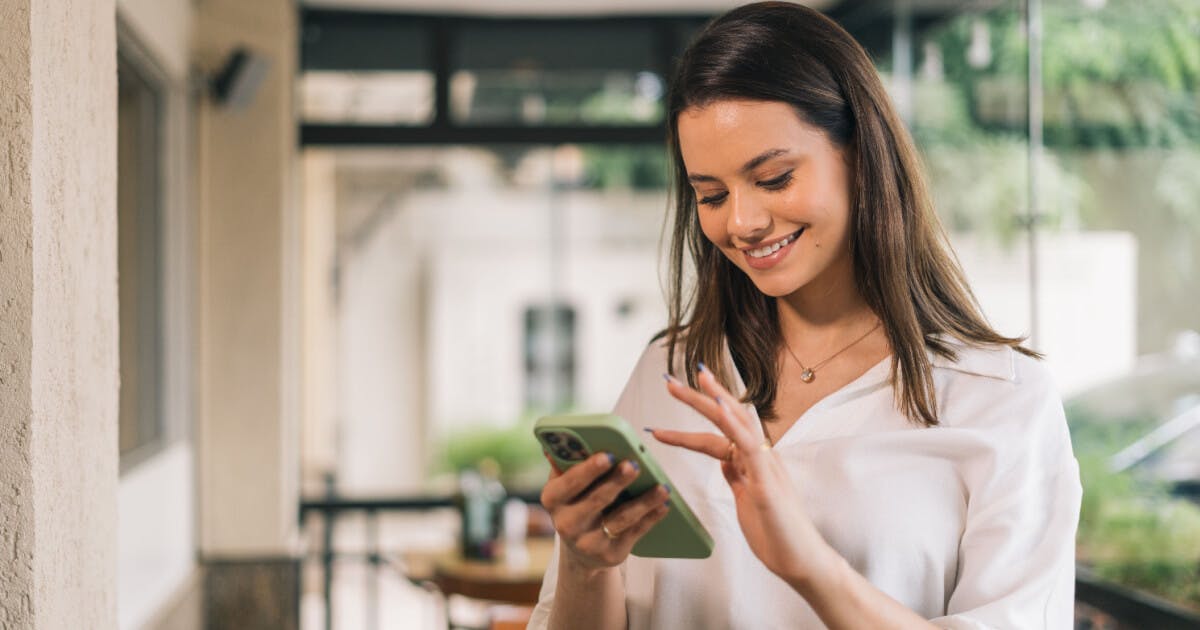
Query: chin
{"x": 775, "y": 287}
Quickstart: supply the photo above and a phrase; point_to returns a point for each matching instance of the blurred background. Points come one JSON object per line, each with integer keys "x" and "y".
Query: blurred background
{"x": 363, "y": 244}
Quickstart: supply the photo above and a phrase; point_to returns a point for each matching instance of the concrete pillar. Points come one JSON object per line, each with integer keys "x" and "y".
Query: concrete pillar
{"x": 249, "y": 324}
{"x": 58, "y": 314}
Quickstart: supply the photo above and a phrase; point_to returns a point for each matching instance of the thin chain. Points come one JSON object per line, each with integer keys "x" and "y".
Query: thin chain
{"x": 816, "y": 367}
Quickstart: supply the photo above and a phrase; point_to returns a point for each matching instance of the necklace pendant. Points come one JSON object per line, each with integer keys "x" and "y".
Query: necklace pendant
{"x": 807, "y": 375}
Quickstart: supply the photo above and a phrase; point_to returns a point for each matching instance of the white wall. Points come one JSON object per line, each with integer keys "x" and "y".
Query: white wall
{"x": 155, "y": 536}
{"x": 431, "y": 306}
{"x": 1087, "y": 299}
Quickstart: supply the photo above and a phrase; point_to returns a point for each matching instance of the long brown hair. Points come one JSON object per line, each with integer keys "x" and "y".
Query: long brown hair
{"x": 903, "y": 264}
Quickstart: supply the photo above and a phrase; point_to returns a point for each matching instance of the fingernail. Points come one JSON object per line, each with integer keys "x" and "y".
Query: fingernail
{"x": 667, "y": 488}
{"x": 666, "y": 377}
{"x": 702, "y": 366}
{"x": 612, "y": 459}
{"x": 649, "y": 429}
{"x": 635, "y": 465}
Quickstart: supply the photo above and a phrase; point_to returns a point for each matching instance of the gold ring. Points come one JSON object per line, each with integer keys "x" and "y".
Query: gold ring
{"x": 604, "y": 528}
{"x": 765, "y": 446}
{"x": 729, "y": 453}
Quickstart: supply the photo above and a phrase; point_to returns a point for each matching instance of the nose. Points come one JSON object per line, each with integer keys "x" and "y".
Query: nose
{"x": 749, "y": 221}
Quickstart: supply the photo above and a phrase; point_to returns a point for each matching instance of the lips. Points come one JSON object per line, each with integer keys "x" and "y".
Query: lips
{"x": 768, "y": 255}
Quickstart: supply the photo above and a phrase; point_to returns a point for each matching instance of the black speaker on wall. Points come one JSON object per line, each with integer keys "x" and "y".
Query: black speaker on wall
{"x": 239, "y": 78}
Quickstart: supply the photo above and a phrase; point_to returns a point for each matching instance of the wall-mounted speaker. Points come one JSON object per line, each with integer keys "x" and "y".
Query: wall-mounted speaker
{"x": 239, "y": 78}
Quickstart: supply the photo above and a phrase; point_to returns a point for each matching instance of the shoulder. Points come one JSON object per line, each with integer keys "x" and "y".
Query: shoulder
{"x": 1005, "y": 396}
{"x": 996, "y": 366}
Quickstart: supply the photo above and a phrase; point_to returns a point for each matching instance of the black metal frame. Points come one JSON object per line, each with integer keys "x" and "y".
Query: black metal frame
{"x": 1130, "y": 608}
{"x": 668, "y": 34}
{"x": 331, "y": 508}
{"x": 868, "y": 20}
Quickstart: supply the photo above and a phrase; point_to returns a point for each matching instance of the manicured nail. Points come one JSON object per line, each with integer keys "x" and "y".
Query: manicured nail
{"x": 667, "y": 488}
{"x": 649, "y": 430}
{"x": 702, "y": 366}
{"x": 612, "y": 459}
{"x": 635, "y": 465}
{"x": 666, "y": 377}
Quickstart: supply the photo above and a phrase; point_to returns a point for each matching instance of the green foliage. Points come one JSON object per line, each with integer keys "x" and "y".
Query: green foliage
{"x": 1125, "y": 75}
{"x": 1131, "y": 530}
{"x": 513, "y": 448}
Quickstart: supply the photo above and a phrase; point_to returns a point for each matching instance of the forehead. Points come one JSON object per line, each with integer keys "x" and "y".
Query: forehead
{"x": 718, "y": 138}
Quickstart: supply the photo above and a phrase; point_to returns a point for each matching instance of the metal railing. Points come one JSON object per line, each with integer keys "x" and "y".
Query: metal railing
{"x": 1129, "y": 608}
{"x": 331, "y": 509}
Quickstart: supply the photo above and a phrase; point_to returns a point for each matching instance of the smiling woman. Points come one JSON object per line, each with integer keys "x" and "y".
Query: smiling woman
{"x": 882, "y": 457}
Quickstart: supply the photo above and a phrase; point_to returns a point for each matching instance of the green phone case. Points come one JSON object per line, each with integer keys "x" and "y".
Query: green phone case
{"x": 679, "y": 534}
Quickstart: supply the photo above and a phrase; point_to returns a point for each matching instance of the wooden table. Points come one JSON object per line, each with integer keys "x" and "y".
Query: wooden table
{"x": 496, "y": 580}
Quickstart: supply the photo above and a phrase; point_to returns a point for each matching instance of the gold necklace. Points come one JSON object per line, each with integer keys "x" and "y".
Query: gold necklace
{"x": 808, "y": 374}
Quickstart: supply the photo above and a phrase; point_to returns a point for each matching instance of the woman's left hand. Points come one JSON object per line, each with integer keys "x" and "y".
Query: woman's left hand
{"x": 769, "y": 508}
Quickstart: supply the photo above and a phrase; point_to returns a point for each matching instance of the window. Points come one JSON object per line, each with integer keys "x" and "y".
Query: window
{"x": 139, "y": 258}
{"x": 549, "y": 357}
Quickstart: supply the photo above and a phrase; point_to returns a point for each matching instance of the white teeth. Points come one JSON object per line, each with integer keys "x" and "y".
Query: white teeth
{"x": 771, "y": 249}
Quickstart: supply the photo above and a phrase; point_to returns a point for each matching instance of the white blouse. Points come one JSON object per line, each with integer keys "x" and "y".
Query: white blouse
{"x": 971, "y": 523}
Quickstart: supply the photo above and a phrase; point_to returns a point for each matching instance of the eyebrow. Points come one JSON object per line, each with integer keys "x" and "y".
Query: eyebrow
{"x": 746, "y": 168}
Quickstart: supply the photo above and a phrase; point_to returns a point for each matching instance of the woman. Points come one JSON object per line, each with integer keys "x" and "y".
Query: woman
{"x": 881, "y": 457}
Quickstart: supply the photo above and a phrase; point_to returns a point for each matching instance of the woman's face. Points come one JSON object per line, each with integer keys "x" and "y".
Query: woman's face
{"x": 772, "y": 192}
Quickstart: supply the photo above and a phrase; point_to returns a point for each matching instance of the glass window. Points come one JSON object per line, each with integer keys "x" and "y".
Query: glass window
{"x": 1109, "y": 268}
{"x": 376, "y": 98}
{"x": 139, "y": 264}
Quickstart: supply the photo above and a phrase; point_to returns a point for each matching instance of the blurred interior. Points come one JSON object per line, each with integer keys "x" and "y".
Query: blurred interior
{"x": 362, "y": 257}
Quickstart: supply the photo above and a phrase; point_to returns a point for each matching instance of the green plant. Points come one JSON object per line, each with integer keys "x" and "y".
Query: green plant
{"x": 1131, "y": 530}
{"x": 513, "y": 448}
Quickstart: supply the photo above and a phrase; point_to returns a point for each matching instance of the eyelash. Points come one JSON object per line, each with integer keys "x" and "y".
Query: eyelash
{"x": 779, "y": 183}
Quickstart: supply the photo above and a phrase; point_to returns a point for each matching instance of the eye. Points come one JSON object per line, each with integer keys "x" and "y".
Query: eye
{"x": 778, "y": 182}
{"x": 713, "y": 200}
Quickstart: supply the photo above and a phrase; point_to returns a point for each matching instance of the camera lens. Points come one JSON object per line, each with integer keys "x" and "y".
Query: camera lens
{"x": 562, "y": 453}
{"x": 574, "y": 444}
{"x": 552, "y": 438}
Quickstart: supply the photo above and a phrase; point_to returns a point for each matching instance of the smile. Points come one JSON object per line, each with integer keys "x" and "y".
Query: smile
{"x": 768, "y": 255}
{"x": 763, "y": 252}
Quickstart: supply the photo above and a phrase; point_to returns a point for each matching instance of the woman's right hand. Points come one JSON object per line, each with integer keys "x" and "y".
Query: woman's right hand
{"x": 576, "y": 500}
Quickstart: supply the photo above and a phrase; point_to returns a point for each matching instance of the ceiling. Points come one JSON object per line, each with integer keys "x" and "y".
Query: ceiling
{"x": 559, "y": 8}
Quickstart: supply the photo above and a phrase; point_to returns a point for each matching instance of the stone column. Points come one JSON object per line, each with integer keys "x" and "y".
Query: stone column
{"x": 58, "y": 314}
{"x": 249, "y": 324}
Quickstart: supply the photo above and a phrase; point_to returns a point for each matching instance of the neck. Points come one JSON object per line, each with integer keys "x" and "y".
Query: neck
{"x": 825, "y": 309}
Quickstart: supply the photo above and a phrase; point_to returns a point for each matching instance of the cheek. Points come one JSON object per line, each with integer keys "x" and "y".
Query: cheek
{"x": 712, "y": 226}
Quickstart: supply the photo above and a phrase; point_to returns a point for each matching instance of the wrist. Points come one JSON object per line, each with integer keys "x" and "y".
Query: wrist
{"x": 582, "y": 570}
{"x": 821, "y": 569}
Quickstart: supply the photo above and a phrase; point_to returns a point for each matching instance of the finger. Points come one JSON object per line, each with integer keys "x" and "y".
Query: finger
{"x": 710, "y": 385}
{"x": 555, "y": 473}
{"x": 593, "y": 501}
{"x": 753, "y": 457}
{"x": 566, "y": 487}
{"x": 711, "y": 444}
{"x": 639, "y": 529}
{"x": 694, "y": 399}
{"x": 628, "y": 514}
{"x": 711, "y": 409}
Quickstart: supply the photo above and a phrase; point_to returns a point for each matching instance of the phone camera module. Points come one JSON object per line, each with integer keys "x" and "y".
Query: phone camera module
{"x": 552, "y": 438}
{"x": 574, "y": 444}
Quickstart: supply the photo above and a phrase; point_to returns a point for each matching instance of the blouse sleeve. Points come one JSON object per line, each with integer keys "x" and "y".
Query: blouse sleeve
{"x": 1016, "y": 564}
{"x": 626, "y": 407}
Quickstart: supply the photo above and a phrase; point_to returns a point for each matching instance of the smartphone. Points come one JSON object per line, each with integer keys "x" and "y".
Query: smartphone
{"x": 571, "y": 439}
